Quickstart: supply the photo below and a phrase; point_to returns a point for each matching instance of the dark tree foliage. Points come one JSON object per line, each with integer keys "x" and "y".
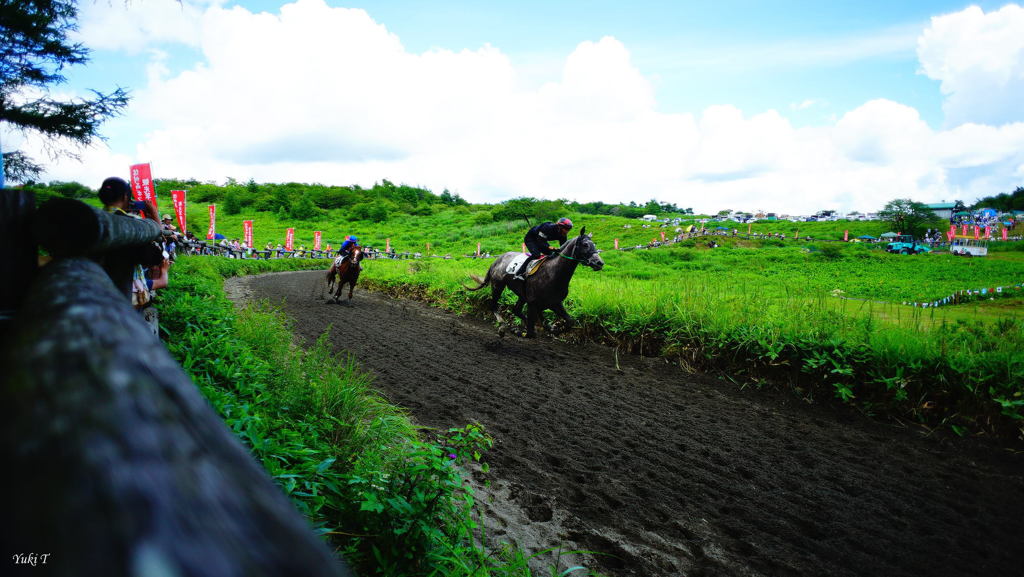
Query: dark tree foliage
{"x": 1003, "y": 202}
{"x": 18, "y": 167}
{"x": 908, "y": 216}
{"x": 34, "y": 51}
{"x": 532, "y": 210}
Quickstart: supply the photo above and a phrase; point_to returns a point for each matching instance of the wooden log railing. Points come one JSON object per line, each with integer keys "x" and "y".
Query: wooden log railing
{"x": 115, "y": 463}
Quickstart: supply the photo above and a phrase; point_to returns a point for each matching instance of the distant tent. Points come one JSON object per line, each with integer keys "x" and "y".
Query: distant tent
{"x": 866, "y": 237}
{"x": 887, "y": 235}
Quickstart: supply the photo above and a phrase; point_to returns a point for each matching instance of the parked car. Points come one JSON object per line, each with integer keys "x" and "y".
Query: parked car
{"x": 905, "y": 244}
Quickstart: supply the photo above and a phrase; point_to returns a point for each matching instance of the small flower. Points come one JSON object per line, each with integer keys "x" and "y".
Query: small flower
{"x": 452, "y": 456}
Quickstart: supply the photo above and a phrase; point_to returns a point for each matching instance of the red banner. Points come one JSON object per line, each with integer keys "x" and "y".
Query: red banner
{"x": 846, "y": 236}
{"x": 247, "y": 232}
{"x": 988, "y": 232}
{"x": 616, "y": 244}
{"x": 662, "y": 236}
{"x": 213, "y": 222}
{"x": 142, "y": 183}
{"x": 1004, "y": 234}
{"x": 977, "y": 231}
{"x": 289, "y": 239}
{"x": 477, "y": 249}
{"x": 316, "y": 240}
{"x": 387, "y": 245}
{"x": 951, "y": 234}
{"x": 178, "y": 198}
{"x": 963, "y": 229}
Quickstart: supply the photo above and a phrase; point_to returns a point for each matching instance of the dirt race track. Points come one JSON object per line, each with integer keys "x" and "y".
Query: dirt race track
{"x": 669, "y": 473}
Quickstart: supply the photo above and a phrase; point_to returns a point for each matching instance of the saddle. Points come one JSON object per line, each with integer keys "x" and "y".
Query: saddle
{"x": 531, "y": 268}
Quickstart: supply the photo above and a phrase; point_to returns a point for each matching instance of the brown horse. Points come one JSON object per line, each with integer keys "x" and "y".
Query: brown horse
{"x": 344, "y": 271}
{"x": 546, "y": 288}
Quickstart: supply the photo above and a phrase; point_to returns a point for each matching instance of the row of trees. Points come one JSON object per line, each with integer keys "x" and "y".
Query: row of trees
{"x": 1004, "y": 202}
{"x": 377, "y": 204}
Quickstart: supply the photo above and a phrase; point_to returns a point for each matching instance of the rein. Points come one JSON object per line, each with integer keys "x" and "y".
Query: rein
{"x": 573, "y": 257}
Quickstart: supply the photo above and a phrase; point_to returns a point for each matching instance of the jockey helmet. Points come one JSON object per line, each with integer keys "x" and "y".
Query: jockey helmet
{"x": 564, "y": 223}
{"x": 353, "y": 239}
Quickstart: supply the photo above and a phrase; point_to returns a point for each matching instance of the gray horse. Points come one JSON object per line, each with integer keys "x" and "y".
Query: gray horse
{"x": 546, "y": 288}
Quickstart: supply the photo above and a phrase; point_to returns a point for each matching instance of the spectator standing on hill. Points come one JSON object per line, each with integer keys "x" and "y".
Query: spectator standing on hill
{"x": 151, "y": 262}
{"x": 171, "y": 237}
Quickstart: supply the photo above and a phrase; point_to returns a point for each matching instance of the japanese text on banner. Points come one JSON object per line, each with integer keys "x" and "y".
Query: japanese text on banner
{"x": 210, "y": 234}
{"x": 178, "y": 198}
{"x": 142, "y": 182}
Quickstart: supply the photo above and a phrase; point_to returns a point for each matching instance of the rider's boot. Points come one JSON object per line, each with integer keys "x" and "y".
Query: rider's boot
{"x": 520, "y": 274}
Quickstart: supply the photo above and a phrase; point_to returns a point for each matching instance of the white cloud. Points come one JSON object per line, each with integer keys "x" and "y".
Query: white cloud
{"x": 805, "y": 104}
{"x": 979, "y": 60}
{"x": 320, "y": 94}
{"x": 134, "y": 26}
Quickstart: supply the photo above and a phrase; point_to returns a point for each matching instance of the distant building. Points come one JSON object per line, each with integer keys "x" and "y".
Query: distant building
{"x": 649, "y": 217}
{"x": 943, "y": 210}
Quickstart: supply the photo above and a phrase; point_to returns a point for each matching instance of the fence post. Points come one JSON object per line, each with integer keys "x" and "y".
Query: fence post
{"x": 18, "y": 253}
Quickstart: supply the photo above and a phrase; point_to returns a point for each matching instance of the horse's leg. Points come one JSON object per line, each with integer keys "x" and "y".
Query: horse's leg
{"x": 497, "y": 287}
{"x": 351, "y": 287}
{"x": 518, "y": 309}
{"x": 533, "y": 313}
{"x": 559, "y": 309}
{"x": 337, "y": 289}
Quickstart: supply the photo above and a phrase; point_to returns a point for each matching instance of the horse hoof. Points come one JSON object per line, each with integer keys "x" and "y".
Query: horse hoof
{"x": 501, "y": 331}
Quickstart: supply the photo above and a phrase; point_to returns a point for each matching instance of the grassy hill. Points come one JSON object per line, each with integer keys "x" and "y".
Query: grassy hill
{"x": 827, "y": 317}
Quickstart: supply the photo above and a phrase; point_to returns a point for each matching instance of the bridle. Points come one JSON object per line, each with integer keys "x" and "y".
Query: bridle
{"x": 574, "y": 247}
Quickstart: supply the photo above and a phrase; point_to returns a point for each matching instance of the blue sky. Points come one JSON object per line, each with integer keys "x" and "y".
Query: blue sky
{"x": 780, "y": 106}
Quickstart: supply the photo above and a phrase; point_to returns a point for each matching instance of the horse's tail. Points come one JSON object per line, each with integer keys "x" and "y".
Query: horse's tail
{"x": 481, "y": 282}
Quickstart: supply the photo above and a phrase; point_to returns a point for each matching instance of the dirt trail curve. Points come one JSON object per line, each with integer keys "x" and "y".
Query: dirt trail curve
{"x": 676, "y": 474}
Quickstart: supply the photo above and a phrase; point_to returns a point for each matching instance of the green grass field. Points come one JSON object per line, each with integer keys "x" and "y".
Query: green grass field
{"x": 825, "y": 316}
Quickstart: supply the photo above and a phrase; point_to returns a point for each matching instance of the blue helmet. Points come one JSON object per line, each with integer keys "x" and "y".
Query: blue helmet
{"x": 353, "y": 240}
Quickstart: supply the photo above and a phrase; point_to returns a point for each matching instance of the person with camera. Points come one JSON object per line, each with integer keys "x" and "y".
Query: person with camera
{"x": 152, "y": 262}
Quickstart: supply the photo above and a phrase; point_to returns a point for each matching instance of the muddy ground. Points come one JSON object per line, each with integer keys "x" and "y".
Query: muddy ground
{"x": 668, "y": 473}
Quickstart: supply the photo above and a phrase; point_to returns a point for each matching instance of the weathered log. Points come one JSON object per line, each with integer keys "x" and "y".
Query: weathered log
{"x": 118, "y": 464}
{"x": 68, "y": 227}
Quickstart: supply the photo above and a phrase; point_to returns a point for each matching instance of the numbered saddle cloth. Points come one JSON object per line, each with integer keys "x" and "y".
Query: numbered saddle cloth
{"x": 513, "y": 266}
